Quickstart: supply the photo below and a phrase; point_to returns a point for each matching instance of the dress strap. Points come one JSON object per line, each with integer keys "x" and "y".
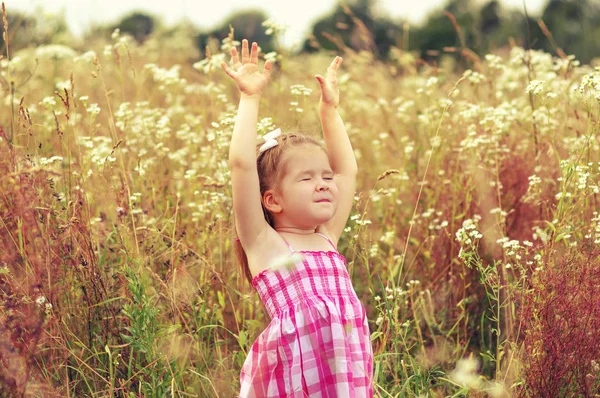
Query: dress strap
{"x": 318, "y": 233}
{"x": 288, "y": 245}
{"x": 328, "y": 240}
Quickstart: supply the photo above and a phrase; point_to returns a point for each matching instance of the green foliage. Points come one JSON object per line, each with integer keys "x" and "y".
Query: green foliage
{"x": 153, "y": 371}
{"x": 574, "y": 25}
{"x": 354, "y": 26}
{"x": 31, "y": 30}
{"x": 481, "y": 27}
{"x": 137, "y": 24}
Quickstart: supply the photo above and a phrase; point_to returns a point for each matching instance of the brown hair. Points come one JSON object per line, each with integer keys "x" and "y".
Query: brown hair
{"x": 268, "y": 165}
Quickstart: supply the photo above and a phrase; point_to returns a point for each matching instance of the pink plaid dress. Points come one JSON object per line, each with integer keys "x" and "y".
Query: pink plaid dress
{"x": 318, "y": 342}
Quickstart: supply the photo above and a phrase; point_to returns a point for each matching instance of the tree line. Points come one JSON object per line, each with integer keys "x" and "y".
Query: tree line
{"x": 564, "y": 27}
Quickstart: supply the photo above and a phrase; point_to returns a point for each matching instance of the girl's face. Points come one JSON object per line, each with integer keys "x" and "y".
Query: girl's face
{"x": 307, "y": 193}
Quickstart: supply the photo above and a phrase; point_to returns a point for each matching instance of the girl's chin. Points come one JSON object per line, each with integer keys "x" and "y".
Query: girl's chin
{"x": 323, "y": 219}
{"x": 314, "y": 218}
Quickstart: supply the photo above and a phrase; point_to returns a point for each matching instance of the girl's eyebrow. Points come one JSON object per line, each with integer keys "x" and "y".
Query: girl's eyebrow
{"x": 312, "y": 171}
{"x": 302, "y": 172}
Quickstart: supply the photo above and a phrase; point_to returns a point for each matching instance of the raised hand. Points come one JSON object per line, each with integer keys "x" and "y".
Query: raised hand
{"x": 245, "y": 73}
{"x": 330, "y": 94}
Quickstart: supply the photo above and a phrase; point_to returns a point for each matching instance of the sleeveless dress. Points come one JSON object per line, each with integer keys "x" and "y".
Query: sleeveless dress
{"x": 318, "y": 342}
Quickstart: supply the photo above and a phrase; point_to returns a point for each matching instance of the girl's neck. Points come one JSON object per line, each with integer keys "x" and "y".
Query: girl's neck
{"x": 296, "y": 230}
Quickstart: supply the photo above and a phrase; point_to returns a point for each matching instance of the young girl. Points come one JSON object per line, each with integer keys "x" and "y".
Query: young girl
{"x": 290, "y": 195}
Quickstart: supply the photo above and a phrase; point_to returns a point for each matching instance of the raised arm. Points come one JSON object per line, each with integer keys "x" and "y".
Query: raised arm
{"x": 339, "y": 149}
{"x": 250, "y": 222}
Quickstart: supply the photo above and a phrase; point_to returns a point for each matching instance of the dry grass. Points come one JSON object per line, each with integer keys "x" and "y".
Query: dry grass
{"x": 473, "y": 221}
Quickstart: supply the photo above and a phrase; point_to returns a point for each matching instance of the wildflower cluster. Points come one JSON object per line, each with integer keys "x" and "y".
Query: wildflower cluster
{"x": 590, "y": 85}
{"x": 518, "y": 253}
{"x": 87, "y": 57}
{"x": 468, "y": 235}
{"x": 594, "y": 229}
{"x": 395, "y": 304}
{"x": 167, "y": 79}
{"x": 536, "y": 87}
{"x": 55, "y": 52}
{"x": 473, "y": 77}
{"x": 300, "y": 91}
{"x": 43, "y": 303}
{"x": 100, "y": 151}
{"x": 118, "y": 43}
{"x": 274, "y": 27}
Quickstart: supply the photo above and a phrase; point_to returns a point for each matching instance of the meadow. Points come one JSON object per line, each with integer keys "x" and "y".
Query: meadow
{"x": 474, "y": 241}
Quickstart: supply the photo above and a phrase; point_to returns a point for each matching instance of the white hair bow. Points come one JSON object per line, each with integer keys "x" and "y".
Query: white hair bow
{"x": 270, "y": 140}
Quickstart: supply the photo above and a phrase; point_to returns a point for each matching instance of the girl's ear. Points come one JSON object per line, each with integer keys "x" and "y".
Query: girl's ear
{"x": 271, "y": 202}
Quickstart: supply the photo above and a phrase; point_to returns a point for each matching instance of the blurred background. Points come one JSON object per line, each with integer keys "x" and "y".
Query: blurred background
{"x": 423, "y": 26}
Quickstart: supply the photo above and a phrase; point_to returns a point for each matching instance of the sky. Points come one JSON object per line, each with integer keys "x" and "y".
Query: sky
{"x": 207, "y": 14}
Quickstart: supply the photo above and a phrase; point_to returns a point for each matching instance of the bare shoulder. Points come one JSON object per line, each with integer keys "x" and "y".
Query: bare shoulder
{"x": 268, "y": 246}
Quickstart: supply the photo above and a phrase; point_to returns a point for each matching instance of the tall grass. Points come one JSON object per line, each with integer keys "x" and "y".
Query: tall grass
{"x": 473, "y": 242}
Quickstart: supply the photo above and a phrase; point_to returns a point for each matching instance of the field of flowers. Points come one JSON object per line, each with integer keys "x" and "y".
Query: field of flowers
{"x": 474, "y": 241}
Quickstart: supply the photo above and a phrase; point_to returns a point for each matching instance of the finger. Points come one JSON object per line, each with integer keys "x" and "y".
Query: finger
{"x": 235, "y": 59}
{"x": 254, "y": 53}
{"x": 321, "y": 80}
{"x": 245, "y": 54}
{"x": 334, "y": 64}
{"x": 268, "y": 68}
{"x": 227, "y": 70}
{"x": 332, "y": 70}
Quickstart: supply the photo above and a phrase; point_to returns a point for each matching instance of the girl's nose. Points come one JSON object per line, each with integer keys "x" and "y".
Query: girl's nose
{"x": 323, "y": 186}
